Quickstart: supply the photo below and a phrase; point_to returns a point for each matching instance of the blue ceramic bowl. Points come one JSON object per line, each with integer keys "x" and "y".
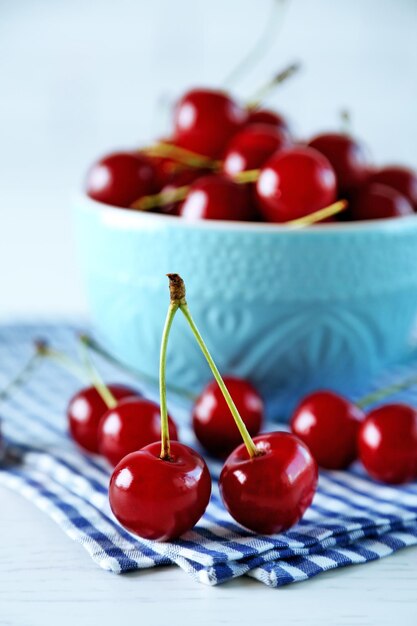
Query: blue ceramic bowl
{"x": 291, "y": 310}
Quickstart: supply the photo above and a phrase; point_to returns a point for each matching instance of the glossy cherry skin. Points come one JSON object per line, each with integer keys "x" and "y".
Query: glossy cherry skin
{"x": 402, "y": 179}
{"x": 375, "y": 201}
{"x": 85, "y": 410}
{"x": 205, "y": 120}
{"x": 121, "y": 178}
{"x": 217, "y": 197}
{"x": 328, "y": 424}
{"x": 347, "y": 157}
{"x": 129, "y": 426}
{"x": 265, "y": 116}
{"x": 387, "y": 443}
{"x": 294, "y": 183}
{"x": 182, "y": 178}
{"x": 269, "y": 493}
{"x": 213, "y": 423}
{"x": 252, "y": 146}
{"x": 159, "y": 499}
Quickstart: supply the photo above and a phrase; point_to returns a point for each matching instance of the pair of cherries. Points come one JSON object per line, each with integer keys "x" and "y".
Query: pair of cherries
{"x": 162, "y": 490}
{"x": 338, "y": 431}
{"x": 118, "y": 430}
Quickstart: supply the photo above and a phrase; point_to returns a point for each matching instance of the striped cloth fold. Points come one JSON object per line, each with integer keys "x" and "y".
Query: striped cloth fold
{"x": 352, "y": 519}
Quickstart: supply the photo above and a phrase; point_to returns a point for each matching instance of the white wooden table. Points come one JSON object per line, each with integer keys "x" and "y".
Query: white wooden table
{"x": 47, "y": 580}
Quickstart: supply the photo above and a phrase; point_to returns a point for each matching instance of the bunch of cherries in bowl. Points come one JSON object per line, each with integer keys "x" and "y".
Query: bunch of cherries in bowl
{"x": 160, "y": 488}
{"x": 226, "y": 161}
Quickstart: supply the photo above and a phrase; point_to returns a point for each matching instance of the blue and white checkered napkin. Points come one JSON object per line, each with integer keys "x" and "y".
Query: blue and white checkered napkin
{"x": 352, "y": 519}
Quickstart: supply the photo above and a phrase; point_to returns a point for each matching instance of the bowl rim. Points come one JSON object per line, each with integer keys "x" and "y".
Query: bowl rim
{"x": 122, "y": 216}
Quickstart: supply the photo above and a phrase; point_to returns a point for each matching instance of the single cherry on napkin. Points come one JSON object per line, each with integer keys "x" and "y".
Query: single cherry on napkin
{"x": 132, "y": 424}
{"x": 213, "y": 423}
{"x": 270, "y": 491}
{"x": 162, "y": 490}
{"x": 387, "y": 443}
{"x": 328, "y": 424}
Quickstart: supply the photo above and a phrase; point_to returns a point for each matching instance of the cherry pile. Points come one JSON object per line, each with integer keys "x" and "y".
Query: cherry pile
{"x": 226, "y": 161}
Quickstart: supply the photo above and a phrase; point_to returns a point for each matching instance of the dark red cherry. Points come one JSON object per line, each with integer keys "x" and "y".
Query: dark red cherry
{"x": 347, "y": 156}
{"x": 160, "y": 499}
{"x": 402, "y": 179}
{"x": 213, "y": 423}
{"x": 294, "y": 183}
{"x": 328, "y": 424}
{"x": 388, "y": 443}
{"x": 265, "y": 116}
{"x": 129, "y": 426}
{"x": 217, "y": 197}
{"x": 269, "y": 493}
{"x": 85, "y": 411}
{"x": 182, "y": 178}
{"x": 205, "y": 120}
{"x": 375, "y": 201}
{"x": 252, "y": 146}
{"x": 121, "y": 178}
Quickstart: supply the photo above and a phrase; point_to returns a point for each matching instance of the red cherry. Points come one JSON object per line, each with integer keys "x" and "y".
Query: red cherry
{"x": 205, "y": 120}
{"x": 129, "y": 426}
{"x": 216, "y": 197}
{"x": 347, "y": 157}
{"x": 265, "y": 116}
{"x": 294, "y": 183}
{"x": 160, "y": 499}
{"x": 402, "y": 179}
{"x": 388, "y": 443}
{"x": 376, "y": 201}
{"x": 180, "y": 179}
{"x": 251, "y": 147}
{"x": 269, "y": 493}
{"x": 121, "y": 178}
{"x": 213, "y": 423}
{"x": 328, "y": 424}
{"x": 165, "y": 170}
{"x": 85, "y": 411}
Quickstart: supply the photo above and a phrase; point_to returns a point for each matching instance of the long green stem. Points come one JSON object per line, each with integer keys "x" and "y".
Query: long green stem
{"x": 21, "y": 376}
{"x": 380, "y": 394}
{"x": 63, "y": 361}
{"x": 276, "y": 80}
{"x": 266, "y": 40}
{"x": 101, "y": 388}
{"x": 165, "y": 443}
{"x": 252, "y": 450}
{"x": 98, "y": 349}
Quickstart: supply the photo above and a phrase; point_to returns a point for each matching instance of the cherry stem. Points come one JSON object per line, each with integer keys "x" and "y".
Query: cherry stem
{"x": 177, "y": 289}
{"x": 383, "y": 393}
{"x": 165, "y": 443}
{"x": 265, "y": 41}
{"x": 145, "y": 203}
{"x": 94, "y": 346}
{"x": 21, "y": 377}
{"x": 260, "y": 95}
{"x": 44, "y": 350}
{"x": 319, "y": 215}
{"x": 98, "y": 383}
{"x": 346, "y": 121}
{"x": 181, "y": 155}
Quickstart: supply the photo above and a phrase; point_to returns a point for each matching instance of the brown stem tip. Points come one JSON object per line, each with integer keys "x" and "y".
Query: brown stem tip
{"x": 176, "y": 289}
{"x": 41, "y": 346}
